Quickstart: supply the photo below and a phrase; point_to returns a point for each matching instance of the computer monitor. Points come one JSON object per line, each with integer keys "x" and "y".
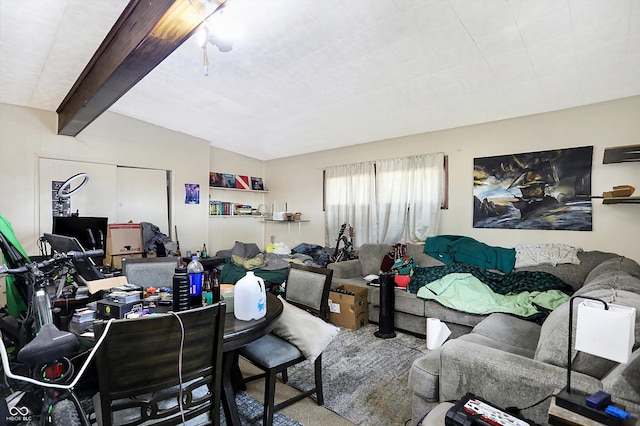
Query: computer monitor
{"x": 63, "y": 244}
{"x": 91, "y": 232}
{"x": 150, "y": 271}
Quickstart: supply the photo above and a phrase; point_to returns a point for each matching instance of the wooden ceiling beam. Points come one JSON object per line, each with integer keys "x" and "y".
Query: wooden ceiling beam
{"x": 142, "y": 37}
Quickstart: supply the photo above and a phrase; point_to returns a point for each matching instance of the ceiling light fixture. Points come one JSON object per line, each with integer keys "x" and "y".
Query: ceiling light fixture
{"x": 217, "y": 35}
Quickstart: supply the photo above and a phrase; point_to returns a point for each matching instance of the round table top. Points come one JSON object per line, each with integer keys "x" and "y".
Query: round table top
{"x": 238, "y": 333}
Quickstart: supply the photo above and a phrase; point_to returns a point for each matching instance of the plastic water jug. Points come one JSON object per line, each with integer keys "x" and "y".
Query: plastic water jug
{"x": 250, "y": 298}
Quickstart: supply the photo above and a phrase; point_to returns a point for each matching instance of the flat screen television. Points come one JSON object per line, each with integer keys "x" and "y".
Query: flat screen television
{"x": 91, "y": 232}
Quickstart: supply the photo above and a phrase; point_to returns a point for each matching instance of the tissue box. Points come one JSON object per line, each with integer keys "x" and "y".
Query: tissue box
{"x": 348, "y": 306}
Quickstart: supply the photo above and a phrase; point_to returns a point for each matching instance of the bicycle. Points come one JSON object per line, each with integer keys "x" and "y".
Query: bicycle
{"x": 47, "y": 396}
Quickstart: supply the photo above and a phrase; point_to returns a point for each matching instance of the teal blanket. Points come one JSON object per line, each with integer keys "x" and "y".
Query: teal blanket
{"x": 464, "y": 292}
{"x": 513, "y": 282}
{"x": 231, "y": 273}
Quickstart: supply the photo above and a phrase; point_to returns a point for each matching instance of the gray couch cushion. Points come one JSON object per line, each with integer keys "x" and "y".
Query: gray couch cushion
{"x": 424, "y": 375}
{"x": 553, "y": 343}
{"x": 420, "y": 257}
{"x": 403, "y": 301}
{"x": 608, "y": 280}
{"x": 509, "y": 333}
{"x": 632, "y": 373}
{"x": 371, "y": 256}
{"x": 617, "y": 264}
{"x": 574, "y": 275}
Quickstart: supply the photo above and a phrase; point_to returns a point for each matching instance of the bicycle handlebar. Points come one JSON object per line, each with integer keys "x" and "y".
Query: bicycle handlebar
{"x": 57, "y": 257}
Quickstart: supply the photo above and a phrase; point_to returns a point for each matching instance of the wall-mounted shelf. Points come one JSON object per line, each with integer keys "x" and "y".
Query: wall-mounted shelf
{"x": 288, "y": 222}
{"x": 238, "y": 216}
{"x": 222, "y": 188}
{"x": 621, "y": 154}
{"x": 621, "y": 200}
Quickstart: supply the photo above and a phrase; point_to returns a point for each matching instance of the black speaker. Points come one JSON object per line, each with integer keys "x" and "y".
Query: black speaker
{"x": 386, "y": 329}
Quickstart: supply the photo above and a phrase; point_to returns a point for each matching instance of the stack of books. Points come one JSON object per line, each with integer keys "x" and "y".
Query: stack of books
{"x": 83, "y": 315}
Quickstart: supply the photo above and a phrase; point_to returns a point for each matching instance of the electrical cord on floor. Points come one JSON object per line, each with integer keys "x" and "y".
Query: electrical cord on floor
{"x": 516, "y": 411}
{"x": 180, "y": 402}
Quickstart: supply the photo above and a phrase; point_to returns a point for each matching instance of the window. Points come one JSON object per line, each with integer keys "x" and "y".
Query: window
{"x": 386, "y": 201}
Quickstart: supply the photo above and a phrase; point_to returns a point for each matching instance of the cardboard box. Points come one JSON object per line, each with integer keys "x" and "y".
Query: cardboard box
{"x": 116, "y": 260}
{"x": 124, "y": 238}
{"x": 349, "y": 309}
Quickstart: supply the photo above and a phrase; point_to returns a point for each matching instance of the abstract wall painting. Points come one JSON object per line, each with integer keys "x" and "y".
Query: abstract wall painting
{"x": 545, "y": 190}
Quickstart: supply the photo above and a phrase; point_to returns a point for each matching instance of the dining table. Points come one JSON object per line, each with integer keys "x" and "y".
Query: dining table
{"x": 238, "y": 333}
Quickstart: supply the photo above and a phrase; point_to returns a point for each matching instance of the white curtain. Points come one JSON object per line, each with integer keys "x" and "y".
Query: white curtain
{"x": 350, "y": 198}
{"x": 425, "y": 196}
{"x": 392, "y": 188}
{"x": 409, "y": 196}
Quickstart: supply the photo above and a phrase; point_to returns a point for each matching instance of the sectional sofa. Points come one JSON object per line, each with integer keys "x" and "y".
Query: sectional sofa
{"x": 501, "y": 358}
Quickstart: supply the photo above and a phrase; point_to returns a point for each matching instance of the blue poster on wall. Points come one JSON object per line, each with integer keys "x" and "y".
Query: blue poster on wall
{"x": 191, "y": 193}
{"x": 534, "y": 190}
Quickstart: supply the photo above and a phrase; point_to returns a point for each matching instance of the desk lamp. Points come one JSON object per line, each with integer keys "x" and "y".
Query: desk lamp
{"x": 604, "y": 330}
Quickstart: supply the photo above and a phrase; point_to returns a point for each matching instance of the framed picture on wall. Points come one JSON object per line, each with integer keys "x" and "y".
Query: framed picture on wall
{"x": 216, "y": 179}
{"x": 534, "y": 190}
{"x": 229, "y": 180}
{"x": 257, "y": 184}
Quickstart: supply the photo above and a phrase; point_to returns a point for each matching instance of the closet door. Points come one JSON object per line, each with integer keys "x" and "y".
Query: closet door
{"x": 142, "y": 197}
{"x": 121, "y": 194}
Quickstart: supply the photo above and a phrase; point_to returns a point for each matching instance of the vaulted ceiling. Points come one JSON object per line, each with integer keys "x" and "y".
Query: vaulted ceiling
{"x": 309, "y": 75}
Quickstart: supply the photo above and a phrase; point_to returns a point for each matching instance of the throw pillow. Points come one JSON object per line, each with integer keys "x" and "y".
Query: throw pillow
{"x": 308, "y": 333}
{"x": 245, "y": 250}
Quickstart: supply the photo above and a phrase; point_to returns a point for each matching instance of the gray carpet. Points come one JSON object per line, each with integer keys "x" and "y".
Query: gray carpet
{"x": 365, "y": 377}
{"x": 251, "y": 411}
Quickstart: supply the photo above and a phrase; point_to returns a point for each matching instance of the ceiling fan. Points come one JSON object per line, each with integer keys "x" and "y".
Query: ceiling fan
{"x": 215, "y": 29}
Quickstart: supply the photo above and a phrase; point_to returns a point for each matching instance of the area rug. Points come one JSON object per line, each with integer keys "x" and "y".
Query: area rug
{"x": 364, "y": 377}
{"x": 251, "y": 410}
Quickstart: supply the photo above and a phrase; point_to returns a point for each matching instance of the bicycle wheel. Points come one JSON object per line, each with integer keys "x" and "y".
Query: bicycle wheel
{"x": 64, "y": 413}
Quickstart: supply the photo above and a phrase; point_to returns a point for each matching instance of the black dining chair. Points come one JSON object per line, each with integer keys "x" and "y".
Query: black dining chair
{"x": 146, "y": 365}
{"x": 307, "y": 288}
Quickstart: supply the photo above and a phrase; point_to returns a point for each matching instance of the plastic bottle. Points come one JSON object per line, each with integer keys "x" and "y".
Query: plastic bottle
{"x": 250, "y": 298}
{"x": 196, "y": 279}
{"x": 215, "y": 287}
{"x": 180, "y": 289}
{"x": 206, "y": 289}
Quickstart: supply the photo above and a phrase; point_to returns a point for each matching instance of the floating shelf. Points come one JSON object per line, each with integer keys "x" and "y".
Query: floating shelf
{"x": 621, "y": 154}
{"x": 621, "y": 200}
{"x": 222, "y": 188}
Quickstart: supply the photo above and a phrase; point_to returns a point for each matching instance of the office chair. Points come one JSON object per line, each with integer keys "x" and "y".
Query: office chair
{"x": 150, "y": 271}
{"x": 141, "y": 366}
{"x": 306, "y": 288}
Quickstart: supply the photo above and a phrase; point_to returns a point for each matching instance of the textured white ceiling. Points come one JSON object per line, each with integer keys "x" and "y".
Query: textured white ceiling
{"x": 310, "y": 75}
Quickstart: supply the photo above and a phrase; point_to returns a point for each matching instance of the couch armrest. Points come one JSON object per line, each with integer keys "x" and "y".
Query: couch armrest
{"x": 504, "y": 379}
{"x": 347, "y": 269}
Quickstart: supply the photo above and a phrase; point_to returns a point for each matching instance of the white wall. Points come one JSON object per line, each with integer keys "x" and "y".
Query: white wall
{"x": 28, "y": 134}
{"x": 616, "y": 228}
{"x": 225, "y": 231}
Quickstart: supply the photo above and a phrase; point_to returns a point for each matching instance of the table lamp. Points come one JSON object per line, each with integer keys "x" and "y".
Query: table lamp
{"x": 604, "y": 330}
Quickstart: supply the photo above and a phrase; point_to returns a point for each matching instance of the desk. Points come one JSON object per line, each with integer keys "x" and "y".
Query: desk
{"x": 237, "y": 334}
